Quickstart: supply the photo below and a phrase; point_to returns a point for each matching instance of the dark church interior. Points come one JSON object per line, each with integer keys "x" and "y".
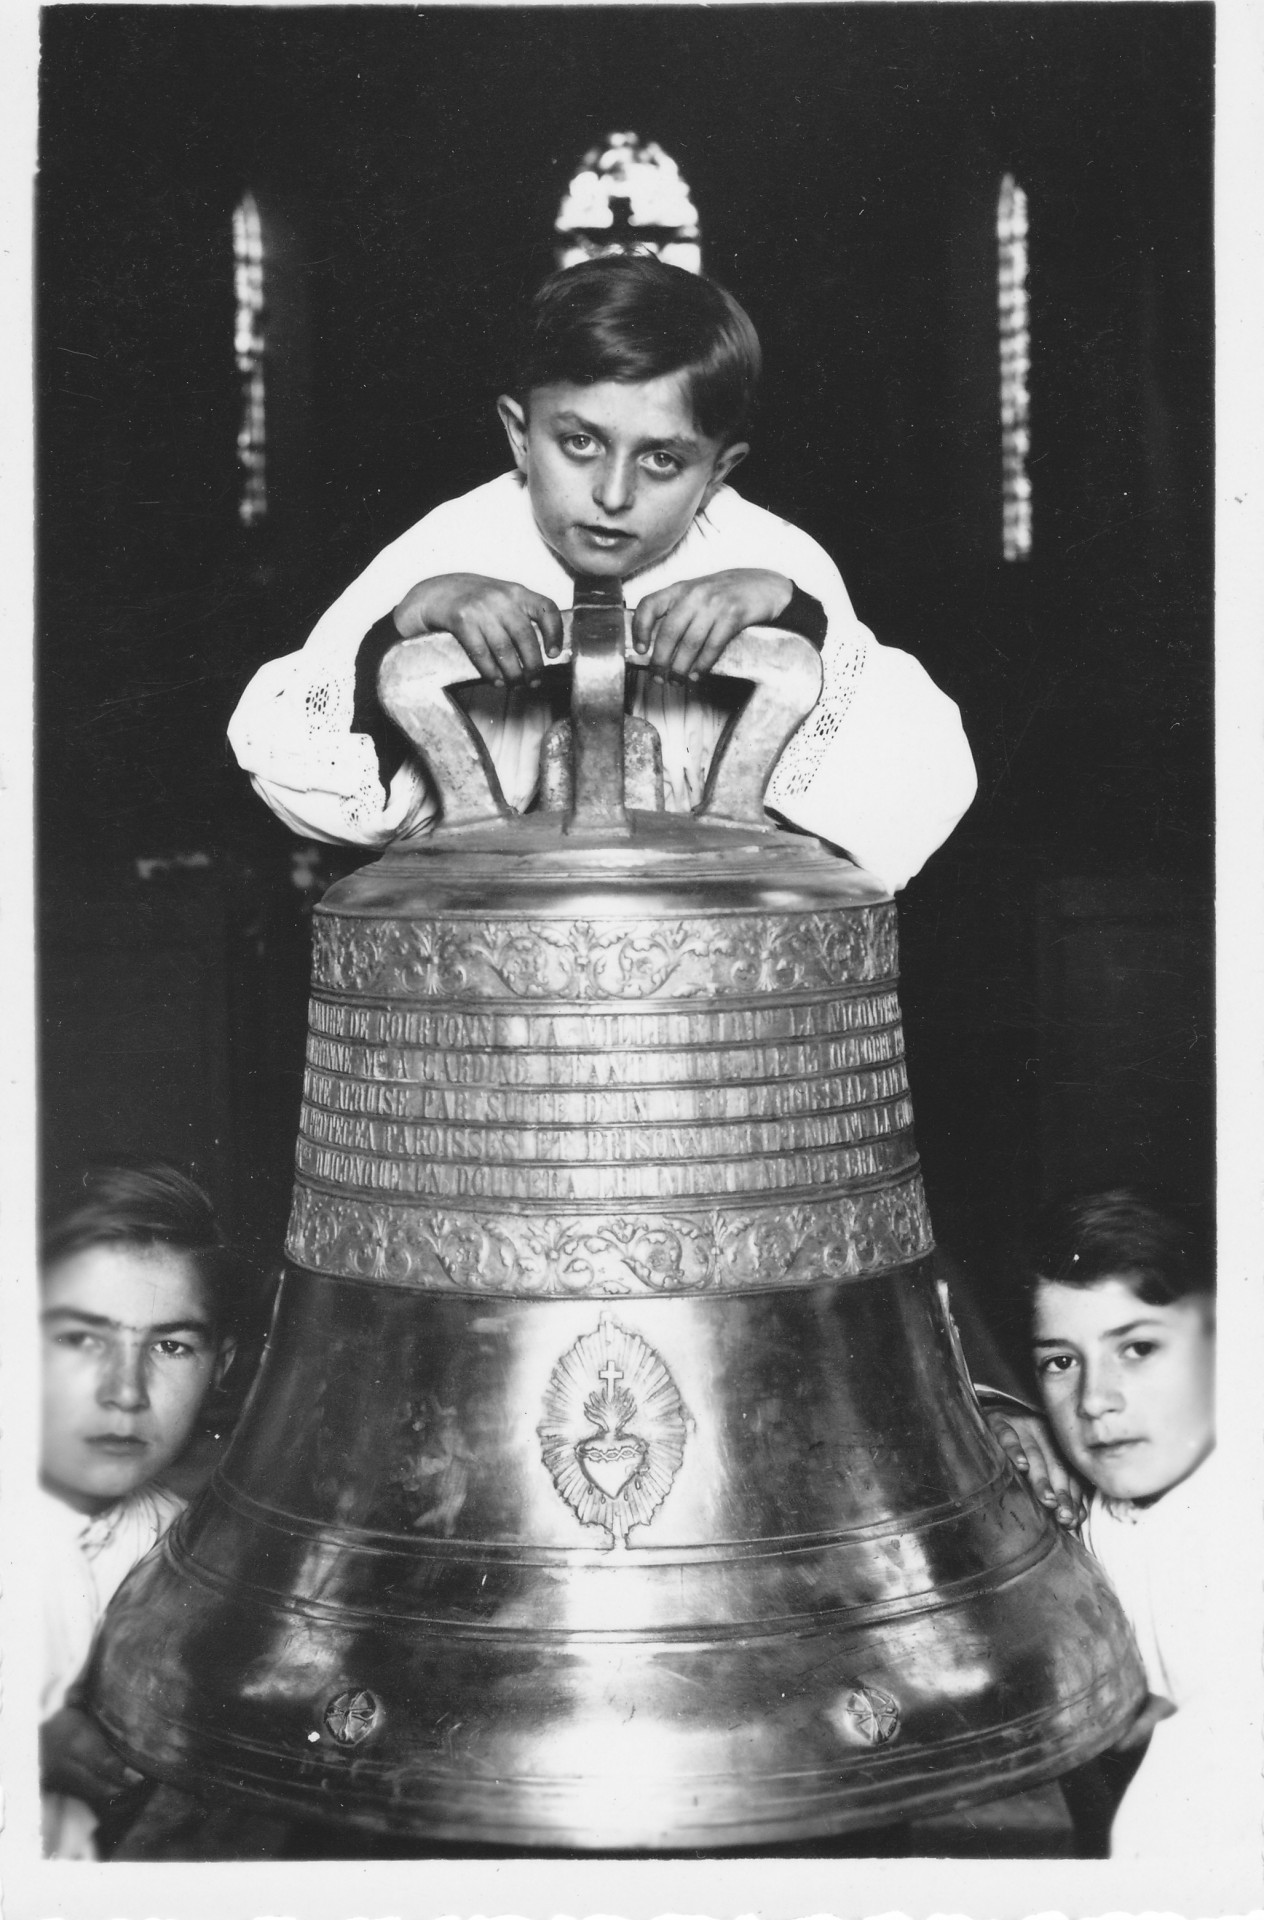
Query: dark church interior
{"x": 845, "y": 162}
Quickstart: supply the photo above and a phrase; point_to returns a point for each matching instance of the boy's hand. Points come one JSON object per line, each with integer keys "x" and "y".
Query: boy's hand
{"x": 1153, "y": 1709}
{"x": 1028, "y": 1442}
{"x": 685, "y": 628}
{"x": 494, "y": 620}
{"x": 76, "y": 1758}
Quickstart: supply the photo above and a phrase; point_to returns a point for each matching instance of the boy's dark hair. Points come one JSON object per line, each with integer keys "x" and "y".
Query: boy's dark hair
{"x": 1084, "y": 1238}
{"x": 630, "y": 316}
{"x": 146, "y": 1203}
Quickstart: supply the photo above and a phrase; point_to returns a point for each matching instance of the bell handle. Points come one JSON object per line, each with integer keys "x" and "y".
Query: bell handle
{"x": 596, "y": 636}
{"x": 787, "y": 675}
{"x": 415, "y": 682}
{"x": 414, "y": 685}
{"x": 416, "y": 677}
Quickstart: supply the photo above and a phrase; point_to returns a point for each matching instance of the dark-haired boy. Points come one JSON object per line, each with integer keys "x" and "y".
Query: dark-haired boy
{"x": 1122, "y": 1323}
{"x": 631, "y": 400}
{"x": 137, "y": 1299}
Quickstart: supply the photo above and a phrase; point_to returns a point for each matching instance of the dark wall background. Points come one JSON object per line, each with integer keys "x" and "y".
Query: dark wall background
{"x": 845, "y": 161}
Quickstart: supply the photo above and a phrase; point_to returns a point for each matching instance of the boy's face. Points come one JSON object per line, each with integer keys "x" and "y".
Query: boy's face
{"x": 617, "y": 471}
{"x": 1128, "y": 1387}
{"x": 130, "y": 1354}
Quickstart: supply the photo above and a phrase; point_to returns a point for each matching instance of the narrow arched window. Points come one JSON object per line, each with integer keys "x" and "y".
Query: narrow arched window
{"x": 1014, "y": 336}
{"x": 249, "y": 346}
{"x": 628, "y": 197}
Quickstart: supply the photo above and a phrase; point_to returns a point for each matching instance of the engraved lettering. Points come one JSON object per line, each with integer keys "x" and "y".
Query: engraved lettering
{"x": 769, "y": 1019}
{"x": 780, "y": 1172}
{"x": 604, "y": 1146}
{"x": 538, "y": 1100}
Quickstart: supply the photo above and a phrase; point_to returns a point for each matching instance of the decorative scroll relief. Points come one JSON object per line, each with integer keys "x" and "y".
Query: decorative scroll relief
{"x": 450, "y": 959}
{"x": 613, "y": 1429}
{"x": 612, "y": 1105}
{"x": 652, "y": 1030}
{"x": 838, "y": 1237}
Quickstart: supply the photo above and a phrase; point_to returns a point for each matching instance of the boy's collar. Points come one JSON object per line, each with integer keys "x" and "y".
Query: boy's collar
{"x": 94, "y": 1531}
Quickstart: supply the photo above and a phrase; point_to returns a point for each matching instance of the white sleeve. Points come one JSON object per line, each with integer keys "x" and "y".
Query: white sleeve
{"x": 292, "y": 734}
{"x": 291, "y": 731}
{"x": 881, "y": 767}
{"x": 884, "y": 771}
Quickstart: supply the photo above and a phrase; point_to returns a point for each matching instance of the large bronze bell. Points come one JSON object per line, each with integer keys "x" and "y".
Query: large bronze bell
{"x": 612, "y": 1480}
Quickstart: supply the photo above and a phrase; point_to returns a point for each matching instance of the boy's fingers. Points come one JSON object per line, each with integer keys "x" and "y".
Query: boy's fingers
{"x": 1058, "y": 1477}
{"x": 1050, "y": 1481}
{"x": 480, "y": 654}
{"x": 680, "y": 637}
{"x": 548, "y": 619}
{"x": 721, "y": 633}
{"x": 689, "y": 662}
{"x": 659, "y": 632}
{"x": 501, "y": 642}
{"x": 1008, "y": 1440}
{"x": 522, "y": 654}
{"x": 675, "y": 643}
{"x": 1064, "y": 1509}
{"x": 643, "y": 627}
{"x": 497, "y": 627}
{"x": 684, "y": 630}
{"x": 1053, "y": 1490}
{"x": 648, "y": 613}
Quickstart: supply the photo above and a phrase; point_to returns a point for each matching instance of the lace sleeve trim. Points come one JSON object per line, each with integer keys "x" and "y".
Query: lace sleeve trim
{"x": 329, "y": 709}
{"x": 843, "y": 661}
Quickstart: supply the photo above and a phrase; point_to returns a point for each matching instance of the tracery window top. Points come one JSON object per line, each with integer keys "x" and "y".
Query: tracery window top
{"x": 627, "y": 197}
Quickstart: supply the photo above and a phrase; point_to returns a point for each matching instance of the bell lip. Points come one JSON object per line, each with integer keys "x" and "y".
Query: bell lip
{"x": 836, "y": 1810}
{"x": 850, "y": 1789}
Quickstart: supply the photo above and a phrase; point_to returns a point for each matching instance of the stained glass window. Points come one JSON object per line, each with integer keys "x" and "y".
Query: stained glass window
{"x": 628, "y": 197}
{"x": 1015, "y": 367}
{"x": 252, "y": 499}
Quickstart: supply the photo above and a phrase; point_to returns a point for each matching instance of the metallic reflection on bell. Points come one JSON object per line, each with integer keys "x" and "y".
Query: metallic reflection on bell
{"x": 612, "y": 1480}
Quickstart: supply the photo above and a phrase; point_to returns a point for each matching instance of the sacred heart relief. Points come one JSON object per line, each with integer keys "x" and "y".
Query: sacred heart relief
{"x": 613, "y": 1429}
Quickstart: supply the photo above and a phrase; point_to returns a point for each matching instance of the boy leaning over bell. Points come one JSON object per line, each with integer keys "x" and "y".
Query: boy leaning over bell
{"x": 633, "y": 393}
